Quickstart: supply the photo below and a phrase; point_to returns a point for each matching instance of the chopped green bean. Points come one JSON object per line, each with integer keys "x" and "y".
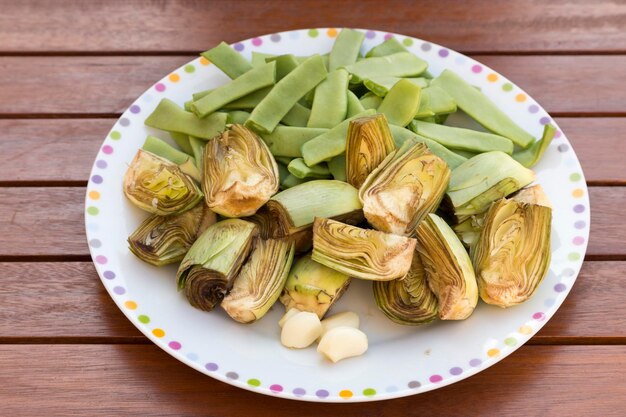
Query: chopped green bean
{"x": 329, "y": 144}
{"x": 370, "y": 101}
{"x": 401, "y": 64}
{"x": 337, "y": 167}
{"x": 248, "y": 102}
{"x": 291, "y": 181}
{"x": 228, "y": 60}
{"x": 435, "y": 101}
{"x": 285, "y": 160}
{"x": 481, "y": 108}
{"x": 401, "y": 103}
{"x": 299, "y": 169}
{"x": 168, "y": 116}
{"x": 390, "y": 46}
{"x": 237, "y": 117}
{"x": 286, "y": 94}
{"x": 325, "y": 59}
{"x": 381, "y": 85}
{"x": 288, "y": 141}
{"x": 247, "y": 83}
{"x": 345, "y": 49}
{"x": 284, "y": 65}
{"x": 401, "y": 135}
{"x": 259, "y": 58}
{"x": 531, "y": 155}
{"x": 465, "y": 154}
{"x": 298, "y": 116}
{"x": 182, "y": 140}
{"x": 187, "y": 106}
{"x": 354, "y": 105}
{"x": 163, "y": 149}
{"x": 463, "y": 139}
{"x": 197, "y": 96}
{"x": 330, "y": 103}
{"x": 198, "y": 152}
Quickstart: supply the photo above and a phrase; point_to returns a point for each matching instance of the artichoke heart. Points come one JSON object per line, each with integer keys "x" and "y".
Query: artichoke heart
{"x": 162, "y": 240}
{"x": 361, "y": 253}
{"x": 406, "y": 186}
{"x": 260, "y": 281}
{"x": 512, "y": 255}
{"x": 448, "y": 268}
{"x": 208, "y": 270}
{"x": 313, "y": 287}
{"x": 158, "y": 186}
{"x": 369, "y": 142}
{"x": 407, "y": 300}
{"x": 483, "y": 179}
{"x": 240, "y": 173}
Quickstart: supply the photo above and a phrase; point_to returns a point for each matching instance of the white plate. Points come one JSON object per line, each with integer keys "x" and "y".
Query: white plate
{"x": 401, "y": 360}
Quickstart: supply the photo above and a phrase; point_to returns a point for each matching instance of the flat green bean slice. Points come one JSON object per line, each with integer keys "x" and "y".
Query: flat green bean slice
{"x": 228, "y": 60}
{"x": 163, "y": 149}
{"x": 182, "y": 140}
{"x": 237, "y": 117}
{"x": 531, "y": 155}
{"x": 187, "y": 105}
{"x": 401, "y": 64}
{"x": 465, "y": 154}
{"x": 168, "y": 116}
{"x": 198, "y": 151}
{"x": 286, "y": 93}
{"x": 462, "y": 139}
{"x": 400, "y": 105}
{"x": 382, "y": 84}
{"x": 298, "y": 116}
{"x": 259, "y": 58}
{"x": 337, "y": 167}
{"x": 345, "y": 49}
{"x": 370, "y": 101}
{"x": 401, "y": 135}
{"x": 291, "y": 181}
{"x": 299, "y": 169}
{"x": 435, "y": 101}
{"x": 331, "y": 143}
{"x": 325, "y": 59}
{"x": 284, "y": 65}
{"x": 480, "y": 108}
{"x": 330, "y": 103}
{"x": 248, "y": 102}
{"x": 241, "y": 86}
{"x": 288, "y": 141}
{"x": 390, "y": 46}
{"x": 354, "y": 105}
{"x": 197, "y": 96}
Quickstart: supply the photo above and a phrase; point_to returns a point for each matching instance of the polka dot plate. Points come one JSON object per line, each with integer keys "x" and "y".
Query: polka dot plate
{"x": 401, "y": 360}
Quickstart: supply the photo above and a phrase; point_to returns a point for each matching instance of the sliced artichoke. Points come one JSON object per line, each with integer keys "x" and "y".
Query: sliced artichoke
{"x": 369, "y": 142}
{"x": 406, "y": 186}
{"x": 162, "y": 240}
{"x": 313, "y": 287}
{"x": 158, "y": 186}
{"x": 240, "y": 173}
{"x": 260, "y": 280}
{"x": 208, "y": 270}
{"x": 483, "y": 179}
{"x": 512, "y": 255}
{"x": 448, "y": 268}
{"x": 407, "y": 300}
{"x": 361, "y": 253}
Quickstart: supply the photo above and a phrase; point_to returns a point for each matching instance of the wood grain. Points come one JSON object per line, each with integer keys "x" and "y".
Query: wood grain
{"x": 55, "y": 216}
{"x": 157, "y": 26}
{"x": 108, "y": 85}
{"x": 139, "y": 380}
{"x": 65, "y": 301}
{"x": 32, "y": 147}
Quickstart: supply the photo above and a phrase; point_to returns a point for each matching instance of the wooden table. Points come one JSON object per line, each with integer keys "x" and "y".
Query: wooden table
{"x": 68, "y": 69}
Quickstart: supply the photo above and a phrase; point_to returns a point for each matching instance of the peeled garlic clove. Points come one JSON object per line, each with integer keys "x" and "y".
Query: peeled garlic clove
{"x": 301, "y": 330}
{"x": 342, "y": 342}
{"x": 289, "y": 314}
{"x": 347, "y": 318}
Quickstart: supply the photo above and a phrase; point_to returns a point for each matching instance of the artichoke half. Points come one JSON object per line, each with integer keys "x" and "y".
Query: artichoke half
{"x": 313, "y": 287}
{"x": 162, "y": 240}
{"x": 369, "y": 142}
{"x": 448, "y": 268}
{"x": 208, "y": 270}
{"x": 483, "y": 179}
{"x": 512, "y": 254}
{"x": 407, "y": 300}
{"x": 361, "y": 253}
{"x": 158, "y": 186}
{"x": 260, "y": 281}
{"x": 406, "y": 186}
{"x": 240, "y": 173}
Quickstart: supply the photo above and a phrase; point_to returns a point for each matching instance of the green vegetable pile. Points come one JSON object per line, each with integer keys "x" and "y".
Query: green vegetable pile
{"x": 305, "y": 172}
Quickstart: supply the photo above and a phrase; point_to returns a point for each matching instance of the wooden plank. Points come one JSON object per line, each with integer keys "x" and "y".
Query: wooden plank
{"x": 31, "y": 147}
{"x": 35, "y": 26}
{"x": 48, "y": 221}
{"x": 129, "y": 380}
{"x": 66, "y": 301}
{"x": 108, "y": 85}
